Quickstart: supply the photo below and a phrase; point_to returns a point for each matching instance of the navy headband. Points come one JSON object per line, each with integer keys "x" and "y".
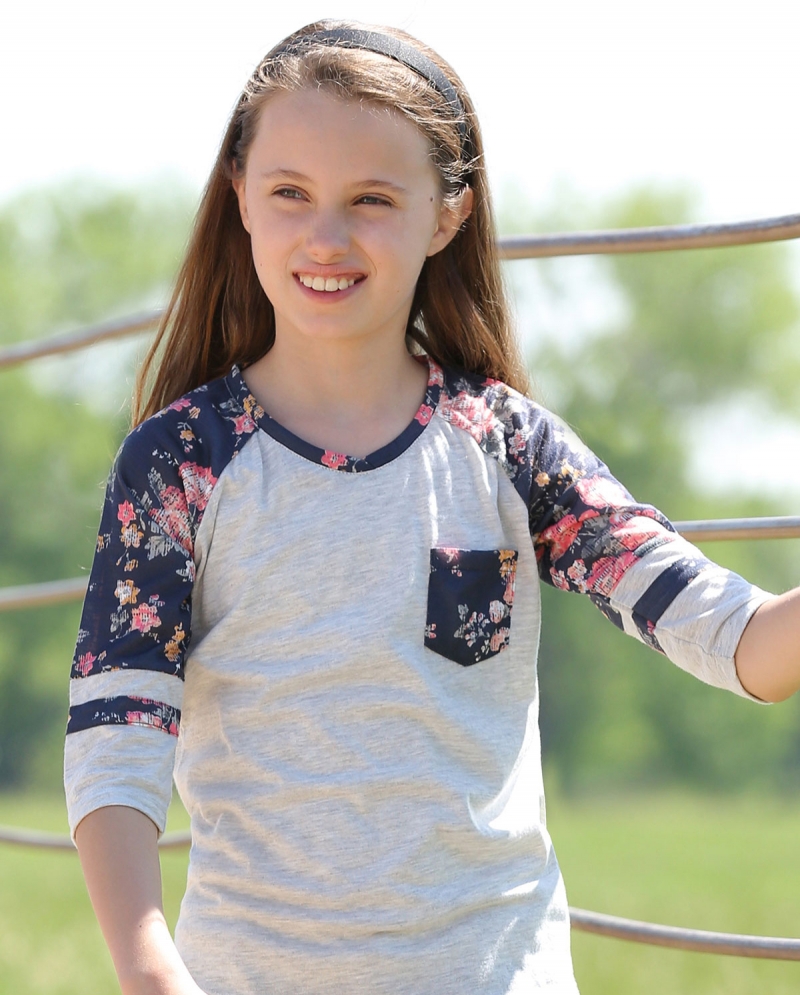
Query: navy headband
{"x": 393, "y": 48}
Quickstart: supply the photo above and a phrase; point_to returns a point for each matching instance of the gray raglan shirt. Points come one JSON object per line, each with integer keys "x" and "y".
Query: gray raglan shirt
{"x": 336, "y": 658}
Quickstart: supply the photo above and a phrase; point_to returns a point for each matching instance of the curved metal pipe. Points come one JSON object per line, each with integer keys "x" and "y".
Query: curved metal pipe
{"x": 679, "y": 938}
{"x": 666, "y": 238}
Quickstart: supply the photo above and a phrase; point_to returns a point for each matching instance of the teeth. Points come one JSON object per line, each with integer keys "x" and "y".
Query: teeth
{"x": 321, "y": 283}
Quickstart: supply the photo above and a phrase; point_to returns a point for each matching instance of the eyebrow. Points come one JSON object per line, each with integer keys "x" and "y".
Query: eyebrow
{"x": 291, "y": 174}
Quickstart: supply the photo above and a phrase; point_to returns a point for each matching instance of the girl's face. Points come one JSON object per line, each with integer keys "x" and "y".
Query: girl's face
{"x": 343, "y": 206}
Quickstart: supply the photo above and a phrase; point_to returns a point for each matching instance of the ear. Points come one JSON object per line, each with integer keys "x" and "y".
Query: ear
{"x": 451, "y": 218}
{"x": 238, "y": 183}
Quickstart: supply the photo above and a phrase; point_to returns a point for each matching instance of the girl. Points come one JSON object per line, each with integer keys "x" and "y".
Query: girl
{"x": 315, "y": 593}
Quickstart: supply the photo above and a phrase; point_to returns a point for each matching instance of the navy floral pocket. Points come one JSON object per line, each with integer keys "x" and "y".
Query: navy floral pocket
{"x": 470, "y": 594}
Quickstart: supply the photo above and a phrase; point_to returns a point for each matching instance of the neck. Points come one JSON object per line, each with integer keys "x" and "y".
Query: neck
{"x": 350, "y": 396}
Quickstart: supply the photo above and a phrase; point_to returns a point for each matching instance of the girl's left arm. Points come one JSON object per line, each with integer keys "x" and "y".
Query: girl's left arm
{"x": 768, "y": 654}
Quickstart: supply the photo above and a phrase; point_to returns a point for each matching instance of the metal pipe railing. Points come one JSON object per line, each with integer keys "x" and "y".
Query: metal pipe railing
{"x": 106, "y": 331}
{"x": 679, "y": 938}
{"x": 657, "y": 239}
{"x": 39, "y": 840}
{"x": 664, "y": 238}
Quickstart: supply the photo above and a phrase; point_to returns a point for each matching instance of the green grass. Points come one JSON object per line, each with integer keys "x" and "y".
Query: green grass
{"x": 712, "y": 863}
{"x": 724, "y": 864}
{"x": 50, "y": 943}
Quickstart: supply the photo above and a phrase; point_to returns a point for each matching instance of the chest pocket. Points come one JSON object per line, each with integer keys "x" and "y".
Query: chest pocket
{"x": 470, "y": 596}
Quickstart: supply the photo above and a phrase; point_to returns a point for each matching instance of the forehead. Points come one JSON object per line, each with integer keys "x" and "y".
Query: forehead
{"x": 312, "y": 129}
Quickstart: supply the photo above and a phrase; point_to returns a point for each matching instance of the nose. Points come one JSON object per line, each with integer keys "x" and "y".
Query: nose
{"x": 328, "y": 236}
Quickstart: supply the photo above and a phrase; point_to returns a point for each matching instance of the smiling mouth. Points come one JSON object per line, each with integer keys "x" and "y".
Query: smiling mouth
{"x": 330, "y": 284}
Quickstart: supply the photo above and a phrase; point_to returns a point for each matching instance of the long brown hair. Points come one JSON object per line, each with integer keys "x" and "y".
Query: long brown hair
{"x": 219, "y": 315}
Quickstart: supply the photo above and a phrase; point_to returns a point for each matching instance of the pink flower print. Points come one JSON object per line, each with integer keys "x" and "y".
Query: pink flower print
{"x": 145, "y": 617}
{"x": 632, "y": 531}
{"x": 607, "y": 573}
{"x": 244, "y": 424}
{"x": 499, "y": 640}
{"x": 180, "y": 404}
{"x": 424, "y": 415}
{"x": 173, "y": 517}
{"x": 125, "y": 513}
{"x": 198, "y": 483}
{"x": 333, "y": 460}
{"x": 126, "y": 592}
{"x": 430, "y": 630}
{"x": 559, "y": 580}
{"x": 469, "y": 413}
{"x": 517, "y": 442}
{"x": 560, "y": 536}
{"x": 84, "y": 664}
{"x": 601, "y": 492}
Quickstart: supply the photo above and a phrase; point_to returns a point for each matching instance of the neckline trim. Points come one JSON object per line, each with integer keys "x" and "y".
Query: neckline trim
{"x": 327, "y": 457}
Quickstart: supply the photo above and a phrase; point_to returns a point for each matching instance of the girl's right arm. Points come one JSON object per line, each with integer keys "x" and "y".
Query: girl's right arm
{"x": 119, "y": 855}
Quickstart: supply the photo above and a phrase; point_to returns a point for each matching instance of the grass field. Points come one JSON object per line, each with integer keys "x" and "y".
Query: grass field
{"x": 711, "y": 863}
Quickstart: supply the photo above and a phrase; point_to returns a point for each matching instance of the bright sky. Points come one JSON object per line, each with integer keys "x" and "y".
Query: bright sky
{"x": 603, "y": 92}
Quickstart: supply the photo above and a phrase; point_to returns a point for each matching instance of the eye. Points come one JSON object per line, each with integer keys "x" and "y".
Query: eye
{"x": 288, "y": 193}
{"x": 371, "y": 198}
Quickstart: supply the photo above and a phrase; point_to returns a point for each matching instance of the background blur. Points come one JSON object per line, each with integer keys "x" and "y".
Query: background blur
{"x": 679, "y": 369}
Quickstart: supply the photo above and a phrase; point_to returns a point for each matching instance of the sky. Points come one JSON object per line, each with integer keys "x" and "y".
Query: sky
{"x": 597, "y": 94}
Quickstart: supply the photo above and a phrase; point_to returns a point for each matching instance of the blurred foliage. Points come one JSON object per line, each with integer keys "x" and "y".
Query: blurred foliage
{"x": 688, "y": 331}
{"x": 68, "y": 256}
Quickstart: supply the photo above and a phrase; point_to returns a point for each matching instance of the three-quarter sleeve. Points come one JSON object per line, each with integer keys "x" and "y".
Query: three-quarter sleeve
{"x": 126, "y": 682}
{"x": 592, "y": 537}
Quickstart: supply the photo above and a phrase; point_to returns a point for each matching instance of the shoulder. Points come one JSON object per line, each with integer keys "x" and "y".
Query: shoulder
{"x": 195, "y": 436}
{"x": 528, "y": 441}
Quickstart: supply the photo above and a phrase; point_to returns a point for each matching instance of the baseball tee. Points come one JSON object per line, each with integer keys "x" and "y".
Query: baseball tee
{"x": 335, "y": 658}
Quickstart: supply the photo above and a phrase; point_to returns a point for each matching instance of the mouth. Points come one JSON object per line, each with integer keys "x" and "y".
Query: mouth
{"x": 329, "y": 284}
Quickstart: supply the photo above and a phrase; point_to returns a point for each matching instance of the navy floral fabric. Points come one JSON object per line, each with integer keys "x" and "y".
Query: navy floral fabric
{"x": 137, "y": 613}
{"x": 470, "y": 596}
{"x": 125, "y": 710}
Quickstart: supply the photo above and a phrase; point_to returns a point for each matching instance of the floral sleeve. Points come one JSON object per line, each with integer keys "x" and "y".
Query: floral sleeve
{"x": 126, "y": 686}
